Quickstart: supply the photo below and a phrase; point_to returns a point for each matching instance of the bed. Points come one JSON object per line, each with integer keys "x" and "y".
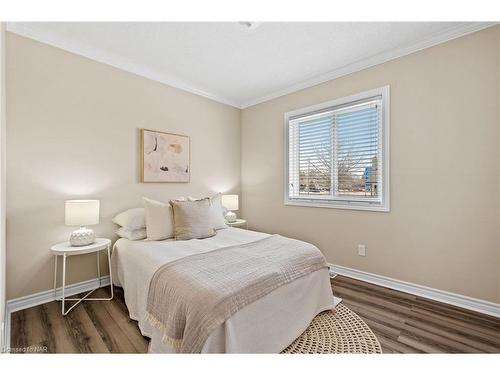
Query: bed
{"x": 267, "y": 325}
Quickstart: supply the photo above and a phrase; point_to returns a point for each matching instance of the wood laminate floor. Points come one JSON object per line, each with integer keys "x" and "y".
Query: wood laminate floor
{"x": 402, "y": 322}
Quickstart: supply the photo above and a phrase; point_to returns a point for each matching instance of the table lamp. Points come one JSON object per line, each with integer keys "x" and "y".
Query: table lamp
{"x": 81, "y": 213}
{"x": 230, "y": 201}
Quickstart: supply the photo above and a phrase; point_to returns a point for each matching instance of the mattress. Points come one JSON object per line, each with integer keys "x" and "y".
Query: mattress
{"x": 267, "y": 325}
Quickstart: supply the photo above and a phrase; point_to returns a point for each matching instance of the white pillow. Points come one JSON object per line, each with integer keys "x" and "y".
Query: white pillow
{"x": 216, "y": 211}
{"x": 159, "y": 220}
{"x": 132, "y": 235}
{"x": 131, "y": 219}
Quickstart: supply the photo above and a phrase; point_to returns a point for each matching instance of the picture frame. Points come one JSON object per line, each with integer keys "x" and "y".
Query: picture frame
{"x": 165, "y": 157}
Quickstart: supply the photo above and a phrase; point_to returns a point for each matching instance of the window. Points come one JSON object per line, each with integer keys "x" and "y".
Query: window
{"x": 337, "y": 153}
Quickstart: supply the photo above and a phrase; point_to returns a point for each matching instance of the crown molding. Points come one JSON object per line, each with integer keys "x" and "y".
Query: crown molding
{"x": 119, "y": 62}
{"x": 108, "y": 58}
{"x": 455, "y": 32}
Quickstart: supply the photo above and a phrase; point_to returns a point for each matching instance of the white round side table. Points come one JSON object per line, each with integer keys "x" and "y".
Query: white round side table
{"x": 238, "y": 223}
{"x": 65, "y": 250}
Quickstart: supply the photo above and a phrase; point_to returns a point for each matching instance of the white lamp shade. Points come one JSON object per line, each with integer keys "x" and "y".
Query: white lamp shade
{"x": 230, "y": 201}
{"x": 82, "y": 212}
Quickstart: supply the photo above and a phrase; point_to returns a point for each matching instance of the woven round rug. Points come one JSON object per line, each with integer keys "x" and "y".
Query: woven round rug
{"x": 336, "y": 331}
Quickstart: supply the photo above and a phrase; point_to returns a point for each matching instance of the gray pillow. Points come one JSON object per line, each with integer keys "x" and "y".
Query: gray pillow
{"x": 192, "y": 219}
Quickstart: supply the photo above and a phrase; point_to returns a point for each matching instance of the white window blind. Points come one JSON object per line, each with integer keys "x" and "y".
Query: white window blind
{"x": 337, "y": 154}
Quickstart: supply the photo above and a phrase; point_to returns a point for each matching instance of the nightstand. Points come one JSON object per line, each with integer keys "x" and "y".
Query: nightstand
{"x": 238, "y": 223}
{"x": 65, "y": 250}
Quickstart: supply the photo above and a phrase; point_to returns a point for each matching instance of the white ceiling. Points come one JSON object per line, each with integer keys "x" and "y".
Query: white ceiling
{"x": 227, "y": 63}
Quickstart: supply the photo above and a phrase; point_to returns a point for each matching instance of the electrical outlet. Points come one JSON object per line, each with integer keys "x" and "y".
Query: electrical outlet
{"x": 361, "y": 250}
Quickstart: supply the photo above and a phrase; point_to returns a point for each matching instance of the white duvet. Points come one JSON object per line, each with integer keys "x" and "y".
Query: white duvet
{"x": 266, "y": 326}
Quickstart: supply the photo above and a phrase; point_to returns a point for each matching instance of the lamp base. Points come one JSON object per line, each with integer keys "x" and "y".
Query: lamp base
{"x": 82, "y": 237}
{"x": 230, "y": 217}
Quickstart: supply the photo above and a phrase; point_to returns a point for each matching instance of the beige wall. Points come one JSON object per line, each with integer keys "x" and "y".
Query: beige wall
{"x": 443, "y": 228}
{"x": 73, "y": 132}
{"x": 2, "y": 185}
{"x": 73, "y": 127}
{"x": 498, "y": 162}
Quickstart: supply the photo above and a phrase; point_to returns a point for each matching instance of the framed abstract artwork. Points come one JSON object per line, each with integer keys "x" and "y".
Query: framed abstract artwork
{"x": 164, "y": 157}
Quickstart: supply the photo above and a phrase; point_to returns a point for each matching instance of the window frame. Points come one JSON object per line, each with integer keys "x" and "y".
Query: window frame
{"x": 345, "y": 202}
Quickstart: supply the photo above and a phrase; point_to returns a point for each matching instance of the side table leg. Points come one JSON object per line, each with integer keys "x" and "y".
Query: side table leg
{"x": 98, "y": 269}
{"x": 63, "y": 284}
{"x": 55, "y": 276}
{"x": 110, "y": 272}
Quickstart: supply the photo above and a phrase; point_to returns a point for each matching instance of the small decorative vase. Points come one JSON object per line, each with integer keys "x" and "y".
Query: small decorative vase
{"x": 82, "y": 237}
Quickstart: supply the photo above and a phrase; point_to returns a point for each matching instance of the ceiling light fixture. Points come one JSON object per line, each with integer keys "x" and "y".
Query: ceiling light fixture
{"x": 249, "y": 25}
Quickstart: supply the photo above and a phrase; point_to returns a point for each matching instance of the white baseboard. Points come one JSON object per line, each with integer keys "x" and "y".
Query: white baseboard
{"x": 469, "y": 303}
{"x": 36, "y": 299}
{"x": 3, "y": 337}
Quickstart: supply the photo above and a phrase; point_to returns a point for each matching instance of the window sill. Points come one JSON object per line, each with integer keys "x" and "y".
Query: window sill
{"x": 341, "y": 205}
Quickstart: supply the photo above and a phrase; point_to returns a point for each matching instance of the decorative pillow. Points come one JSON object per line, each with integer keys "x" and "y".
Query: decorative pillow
{"x": 216, "y": 211}
{"x": 192, "y": 219}
{"x": 159, "y": 220}
{"x": 132, "y": 235}
{"x": 131, "y": 219}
